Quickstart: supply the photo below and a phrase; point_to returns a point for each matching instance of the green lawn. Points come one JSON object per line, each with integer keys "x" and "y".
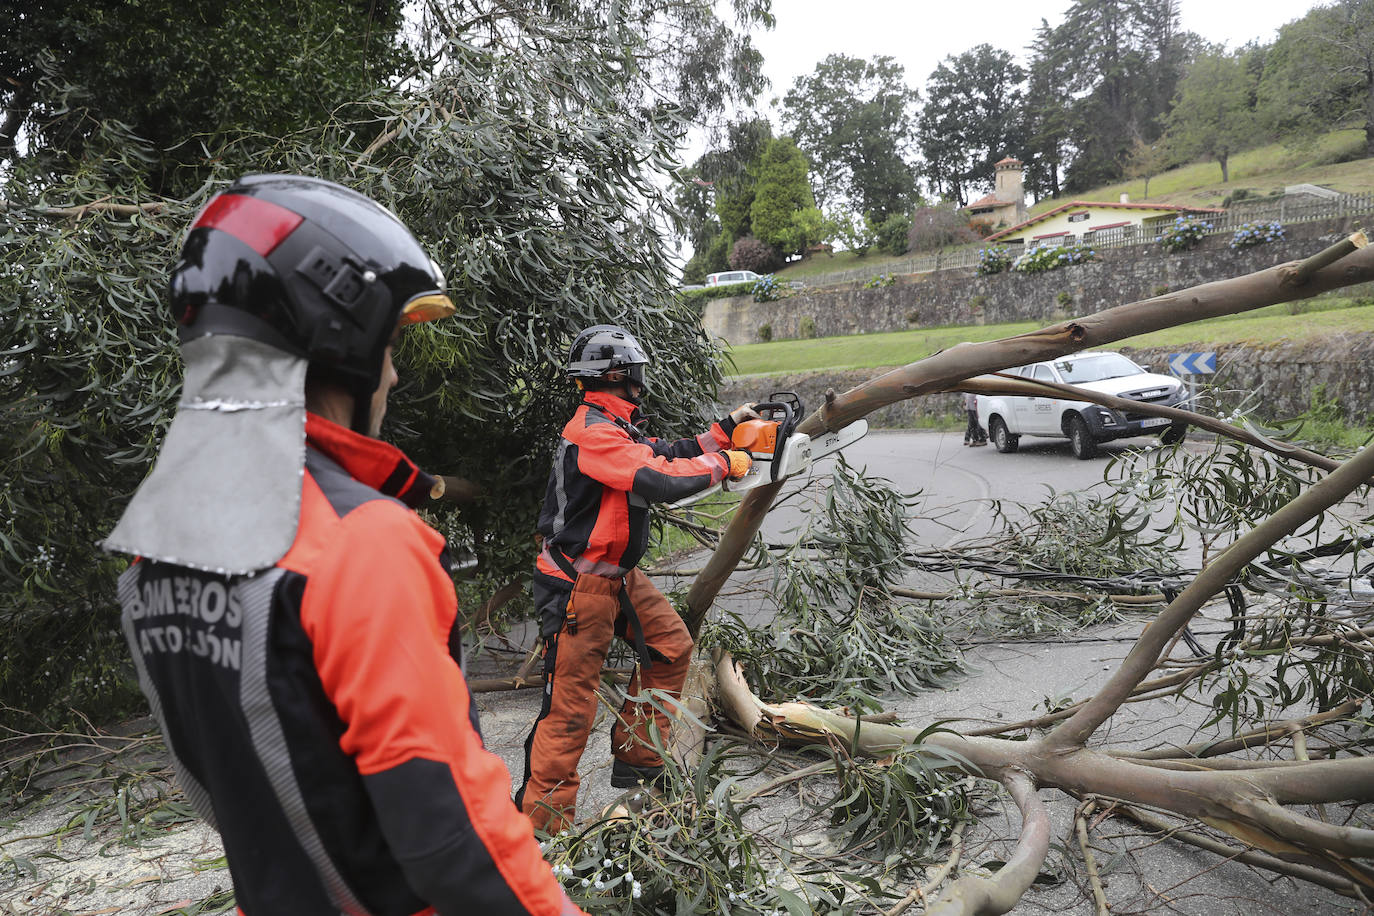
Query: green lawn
{"x": 1290, "y": 321}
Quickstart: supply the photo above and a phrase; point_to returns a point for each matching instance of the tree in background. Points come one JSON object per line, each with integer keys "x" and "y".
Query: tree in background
{"x": 698, "y": 225}
{"x": 973, "y": 116}
{"x": 853, "y": 119}
{"x": 1119, "y": 57}
{"x": 1214, "y": 115}
{"x": 938, "y": 226}
{"x": 1047, "y": 117}
{"x": 186, "y": 78}
{"x": 1320, "y": 72}
{"x": 1146, "y": 160}
{"x": 784, "y": 212}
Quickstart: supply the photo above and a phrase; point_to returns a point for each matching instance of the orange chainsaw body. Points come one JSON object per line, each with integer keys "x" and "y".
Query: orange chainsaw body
{"x": 757, "y": 437}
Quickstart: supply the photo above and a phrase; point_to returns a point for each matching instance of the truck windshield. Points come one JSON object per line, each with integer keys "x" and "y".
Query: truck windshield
{"x": 1095, "y": 368}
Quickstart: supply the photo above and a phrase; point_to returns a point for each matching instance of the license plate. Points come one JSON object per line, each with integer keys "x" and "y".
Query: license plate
{"x": 1154, "y": 421}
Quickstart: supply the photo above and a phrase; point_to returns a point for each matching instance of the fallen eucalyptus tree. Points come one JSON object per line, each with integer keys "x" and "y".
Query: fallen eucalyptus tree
{"x": 1258, "y": 801}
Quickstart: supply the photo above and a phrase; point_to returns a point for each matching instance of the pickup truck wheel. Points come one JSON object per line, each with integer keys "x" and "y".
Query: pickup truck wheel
{"x": 1174, "y": 433}
{"x": 1006, "y": 443}
{"x": 1081, "y": 438}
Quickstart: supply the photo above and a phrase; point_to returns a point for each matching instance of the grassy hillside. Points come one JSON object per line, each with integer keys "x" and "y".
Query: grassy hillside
{"x": 1333, "y": 161}
{"x": 1320, "y": 318}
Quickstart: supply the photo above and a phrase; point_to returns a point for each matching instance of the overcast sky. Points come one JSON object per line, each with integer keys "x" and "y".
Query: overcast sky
{"x": 921, "y": 33}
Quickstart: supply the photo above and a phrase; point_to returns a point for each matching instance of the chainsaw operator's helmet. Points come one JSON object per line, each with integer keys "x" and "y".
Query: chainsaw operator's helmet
{"x": 604, "y": 349}
{"x": 309, "y": 267}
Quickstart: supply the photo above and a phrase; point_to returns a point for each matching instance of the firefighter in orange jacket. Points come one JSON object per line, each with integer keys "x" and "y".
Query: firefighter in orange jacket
{"x": 595, "y": 528}
{"x": 291, "y": 618}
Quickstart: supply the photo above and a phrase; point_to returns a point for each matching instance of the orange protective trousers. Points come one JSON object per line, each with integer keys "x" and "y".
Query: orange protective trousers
{"x": 573, "y": 658}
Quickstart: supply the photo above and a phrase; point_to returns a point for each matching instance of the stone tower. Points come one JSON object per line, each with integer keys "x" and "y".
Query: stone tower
{"x": 1008, "y": 186}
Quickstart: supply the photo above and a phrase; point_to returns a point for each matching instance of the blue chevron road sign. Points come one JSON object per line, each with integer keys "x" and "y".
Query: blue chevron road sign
{"x": 1193, "y": 363}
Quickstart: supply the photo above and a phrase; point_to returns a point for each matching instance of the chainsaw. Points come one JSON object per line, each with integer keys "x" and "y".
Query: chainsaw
{"x": 777, "y": 449}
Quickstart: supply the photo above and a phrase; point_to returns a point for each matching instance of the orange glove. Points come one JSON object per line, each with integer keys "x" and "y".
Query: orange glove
{"x": 740, "y": 463}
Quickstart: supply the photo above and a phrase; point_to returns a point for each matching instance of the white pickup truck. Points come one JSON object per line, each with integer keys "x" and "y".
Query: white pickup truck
{"x": 1084, "y": 424}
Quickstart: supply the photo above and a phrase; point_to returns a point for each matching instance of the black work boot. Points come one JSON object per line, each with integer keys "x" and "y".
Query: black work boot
{"x": 627, "y": 776}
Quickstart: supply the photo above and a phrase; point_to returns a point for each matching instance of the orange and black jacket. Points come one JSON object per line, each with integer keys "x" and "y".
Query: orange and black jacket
{"x": 318, "y": 716}
{"x": 606, "y": 473}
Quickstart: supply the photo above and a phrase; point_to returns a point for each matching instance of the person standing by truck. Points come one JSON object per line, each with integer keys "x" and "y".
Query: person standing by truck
{"x": 974, "y": 434}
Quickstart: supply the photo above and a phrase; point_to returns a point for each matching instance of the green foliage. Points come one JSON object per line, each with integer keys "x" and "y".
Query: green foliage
{"x": 1315, "y": 76}
{"x": 857, "y": 233}
{"x": 853, "y": 120}
{"x": 765, "y": 332}
{"x": 972, "y": 118}
{"x": 994, "y": 260}
{"x": 1052, "y": 257}
{"x": 1214, "y": 115}
{"x": 892, "y": 233}
{"x": 696, "y": 299}
{"x": 782, "y": 192}
{"x": 1064, "y": 297}
{"x": 1248, "y": 235}
{"x": 1120, "y": 62}
{"x": 806, "y": 328}
{"x": 533, "y": 255}
{"x": 188, "y": 83}
{"x": 701, "y": 847}
{"x": 839, "y": 632}
{"x": 1183, "y": 234}
{"x": 879, "y": 281}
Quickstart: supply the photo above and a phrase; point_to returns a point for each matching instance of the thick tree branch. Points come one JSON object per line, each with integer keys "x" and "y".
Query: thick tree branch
{"x": 973, "y": 895}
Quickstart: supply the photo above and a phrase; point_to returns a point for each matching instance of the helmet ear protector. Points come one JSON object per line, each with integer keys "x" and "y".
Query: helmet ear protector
{"x": 309, "y": 267}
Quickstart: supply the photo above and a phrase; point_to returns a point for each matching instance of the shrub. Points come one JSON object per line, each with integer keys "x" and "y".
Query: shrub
{"x": 697, "y": 298}
{"x": 807, "y": 328}
{"x": 1183, "y": 234}
{"x": 766, "y": 289}
{"x": 1052, "y": 257}
{"x": 1159, "y": 291}
{"x": 879, "y": 281}
{"x": 1251, "y": 234}
{"x": 938, "y": 226}
{"x": 993, "y": 260}
{"x": 765, "y": 332}
{"x": 1064, "y": 297}
{"x": 893, "y": 233}
{"x": 753, "y": 254}
{"x": 984, "y": 227}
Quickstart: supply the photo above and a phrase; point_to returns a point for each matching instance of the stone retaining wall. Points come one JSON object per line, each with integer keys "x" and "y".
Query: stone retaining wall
{"x": 960, "y": 297}
{"x": 1275, "y": 382}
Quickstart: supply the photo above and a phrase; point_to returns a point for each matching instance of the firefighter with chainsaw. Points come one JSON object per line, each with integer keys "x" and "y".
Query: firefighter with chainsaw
{"x": 292, "y": 620}
{"x": 595, "y": 528}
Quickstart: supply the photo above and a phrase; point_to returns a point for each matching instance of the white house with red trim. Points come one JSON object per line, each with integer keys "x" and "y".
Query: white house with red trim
{"x": 1090, "y": 221}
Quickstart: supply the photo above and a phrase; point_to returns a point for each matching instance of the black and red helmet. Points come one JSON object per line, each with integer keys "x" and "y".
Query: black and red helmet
{"x": 307, "y": 266}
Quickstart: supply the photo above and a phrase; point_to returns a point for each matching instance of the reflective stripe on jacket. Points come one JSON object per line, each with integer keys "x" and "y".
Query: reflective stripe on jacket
{"x": 606, "y": 473}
